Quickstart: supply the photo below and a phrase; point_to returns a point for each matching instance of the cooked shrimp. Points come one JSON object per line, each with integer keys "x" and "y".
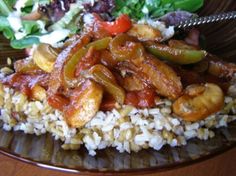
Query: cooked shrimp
{"x": 221, "y": 69}
{"x": 163, "y": 77}
{"x": 84, "y": 104}
{"x": 217, "y": 67}
{"x": 199, "y": 101}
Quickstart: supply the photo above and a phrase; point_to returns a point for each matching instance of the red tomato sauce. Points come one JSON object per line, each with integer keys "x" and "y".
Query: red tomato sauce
{"x": 25, "y": 83}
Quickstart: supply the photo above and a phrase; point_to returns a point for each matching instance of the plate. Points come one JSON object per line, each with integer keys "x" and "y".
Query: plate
{"x": 45, "y": 152}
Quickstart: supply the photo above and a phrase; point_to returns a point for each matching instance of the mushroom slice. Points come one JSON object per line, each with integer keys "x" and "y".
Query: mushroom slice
{"x": 44, "y": 57}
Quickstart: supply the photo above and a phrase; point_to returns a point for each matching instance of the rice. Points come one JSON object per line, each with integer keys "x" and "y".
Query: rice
{"x": 126, "y": 129}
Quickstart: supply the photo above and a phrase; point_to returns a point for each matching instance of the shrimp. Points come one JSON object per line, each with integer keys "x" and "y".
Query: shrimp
{"x": 221, "y": 68}
{"x": 162, "y": 77}
{"x": 199, "y": 101}
{"x": 84, "y": 104}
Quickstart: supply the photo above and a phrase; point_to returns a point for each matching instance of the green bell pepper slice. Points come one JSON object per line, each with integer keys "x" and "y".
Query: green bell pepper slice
{"x": 103, "y": 76}
{"x": 70, "y": 66}
{"x": 176, "y": 55}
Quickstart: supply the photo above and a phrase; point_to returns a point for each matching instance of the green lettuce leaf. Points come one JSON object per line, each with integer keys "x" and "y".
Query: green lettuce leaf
{"x": 69, "y": 20}
{"x": 25, "y": 42}
{"x": 5, "y": 28}
{"x": 30, "y": 27}
{"x": 6, "y": 7}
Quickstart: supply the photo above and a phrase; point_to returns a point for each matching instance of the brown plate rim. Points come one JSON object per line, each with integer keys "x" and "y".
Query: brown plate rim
{"x": 157, "y": 169}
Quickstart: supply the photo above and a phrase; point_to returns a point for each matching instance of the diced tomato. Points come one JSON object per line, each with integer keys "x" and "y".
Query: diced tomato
{"x": 24, "y": 82}
{"x": 146, "y": 98}
{"x": 25, "y": 90}
{"x": 142, "y": 99}
{"x": 120, "y": 25}
{"x": 58, "y": 102}
{"x": 132, "y": 99}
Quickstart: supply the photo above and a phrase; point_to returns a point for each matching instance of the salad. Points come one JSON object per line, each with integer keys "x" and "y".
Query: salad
{"x": 29, "y": 22}
{"x": 113, "y": 81}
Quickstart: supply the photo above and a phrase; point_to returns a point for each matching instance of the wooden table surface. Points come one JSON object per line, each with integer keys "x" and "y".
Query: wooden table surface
{"x": 222, "y": 165}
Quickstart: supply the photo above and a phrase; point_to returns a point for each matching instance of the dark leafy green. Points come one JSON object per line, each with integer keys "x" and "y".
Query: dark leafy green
{"x": 132, "y": 8}
{"x": 137, "y": 9}
{"x": 189, "y": 5}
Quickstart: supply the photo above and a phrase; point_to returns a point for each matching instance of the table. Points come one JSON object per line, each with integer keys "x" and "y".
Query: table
{"x": 222, "y": 165}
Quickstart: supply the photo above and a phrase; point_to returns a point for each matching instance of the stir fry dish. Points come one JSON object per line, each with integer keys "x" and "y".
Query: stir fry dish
{"x": 124, "y": 84}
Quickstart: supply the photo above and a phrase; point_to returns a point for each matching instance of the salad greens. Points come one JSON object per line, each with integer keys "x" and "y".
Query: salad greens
{"x": 189, "y": 5}
{"x": 132, "y": 8}
{"x": 6, "y": 6}
{"x": 19, "y": 37}
{"x": 6, "y": 28}
{"x": 28, "y": 32}
{"x": 25, "y": 42}
{"x": 67, "y": 19}
{"x": 138, "y": 9}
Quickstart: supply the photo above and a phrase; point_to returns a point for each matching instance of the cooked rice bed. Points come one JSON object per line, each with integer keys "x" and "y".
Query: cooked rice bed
{"x": 127, "y": 129}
